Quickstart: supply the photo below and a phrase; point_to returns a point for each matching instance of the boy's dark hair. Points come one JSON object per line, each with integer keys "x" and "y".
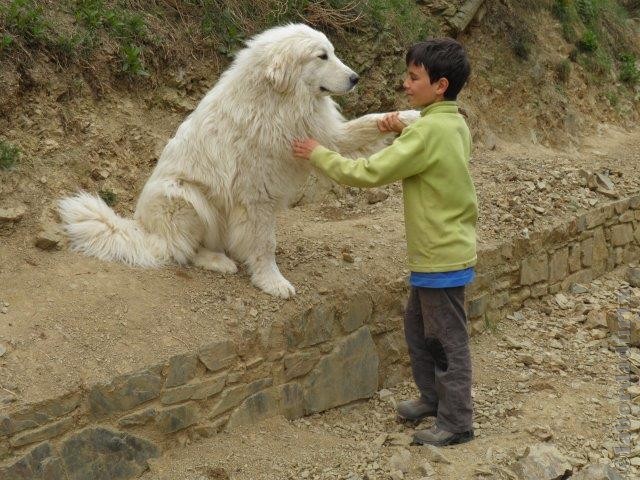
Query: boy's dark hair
{"x": 442, "y": 57}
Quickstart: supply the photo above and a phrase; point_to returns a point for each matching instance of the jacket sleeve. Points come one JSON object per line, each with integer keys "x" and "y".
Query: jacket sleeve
{"x": 407, "y": 156}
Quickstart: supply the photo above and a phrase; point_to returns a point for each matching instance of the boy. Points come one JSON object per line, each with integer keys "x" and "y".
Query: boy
{"x": 431, "y": 157}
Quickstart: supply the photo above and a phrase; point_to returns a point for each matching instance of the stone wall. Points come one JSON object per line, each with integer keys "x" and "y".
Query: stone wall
{"x": 576, "y": 251}
{"x": 332, "y": 354}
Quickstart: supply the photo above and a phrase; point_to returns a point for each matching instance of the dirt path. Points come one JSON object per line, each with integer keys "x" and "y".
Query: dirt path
{"x": 547, "y": 375}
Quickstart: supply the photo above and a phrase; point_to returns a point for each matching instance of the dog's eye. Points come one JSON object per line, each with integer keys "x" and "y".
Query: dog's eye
{"x": 324, "y": 56}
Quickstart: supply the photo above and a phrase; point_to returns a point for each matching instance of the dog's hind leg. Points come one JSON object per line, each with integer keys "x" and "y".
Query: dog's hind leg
{"x": 252, "y": 239}
{"x": 215, "y": 261}
{"x": 211, "y": 255}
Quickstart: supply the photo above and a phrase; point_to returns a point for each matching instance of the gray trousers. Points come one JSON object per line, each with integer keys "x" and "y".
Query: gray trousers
{"x": 435, "y": 328}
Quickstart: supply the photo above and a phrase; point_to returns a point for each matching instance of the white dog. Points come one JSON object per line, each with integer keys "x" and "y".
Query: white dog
{"x": 220, "y": 181}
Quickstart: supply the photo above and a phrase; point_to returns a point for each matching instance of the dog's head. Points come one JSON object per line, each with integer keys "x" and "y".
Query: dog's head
{"x": 297, "y": 56}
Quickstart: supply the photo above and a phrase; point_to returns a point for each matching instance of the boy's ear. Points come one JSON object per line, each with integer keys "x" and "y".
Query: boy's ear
{"x": 443, "y": 85}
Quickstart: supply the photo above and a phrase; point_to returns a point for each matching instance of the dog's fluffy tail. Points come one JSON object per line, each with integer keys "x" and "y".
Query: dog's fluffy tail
{"x": 96, "y": 230}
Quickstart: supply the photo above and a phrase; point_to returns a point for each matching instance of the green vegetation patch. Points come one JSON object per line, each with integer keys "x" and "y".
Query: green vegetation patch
{"x": 9, "y": 155}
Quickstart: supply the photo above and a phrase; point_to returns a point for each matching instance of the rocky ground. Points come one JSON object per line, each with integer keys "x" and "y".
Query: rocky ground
{"x": 546, "y": 405}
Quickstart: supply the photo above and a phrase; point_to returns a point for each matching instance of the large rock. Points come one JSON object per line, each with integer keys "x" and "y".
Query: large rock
{"x": 176, "y": 418}
{"x": 625, "y": 325}
{"x": 534, "y": 269}
{"x": 315, "y": 326}
{"x": 218, "y": 355}
{"x": 349, "y": 373}
{"x": 38, "y": 414}
{"x": 542, "y": 462}
{"x": 13, "y": 214}
{"x": 182, "y": 368}
{"x": 102, "y": 454}
{"x": 597, "y": 472}
{"x": 286, "y": 400}
{"x": 633, "y": 276}
{"x": 232, "y": 397}
{"x": 124, "y": 393}
{"x": 43, "y": 433}
{"x": 358, "y": 313}
{"x": 41, "y": 463}
{"x": 299, "y": 363}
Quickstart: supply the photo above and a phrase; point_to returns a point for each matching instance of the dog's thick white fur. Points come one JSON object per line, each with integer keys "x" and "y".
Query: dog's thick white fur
{"x": 219, "y": 182}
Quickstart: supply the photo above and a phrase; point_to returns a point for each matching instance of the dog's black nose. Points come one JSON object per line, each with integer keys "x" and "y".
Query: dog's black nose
{"x": 354, "y": 79}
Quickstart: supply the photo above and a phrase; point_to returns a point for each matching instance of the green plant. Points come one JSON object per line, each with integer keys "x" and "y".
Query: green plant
{"x": 24, "y": 18}
{"x": 90, "y": 13}
{"x": 132, "y": 61}
{"x": 613, "y": 98}
{"x": 402, "y": 17}
{"x": 598, "y": 64}
{"x": 9, "y": 155}
{"x": 125, "y": 25}
{"x": 588, "y": 42}
{"x": 109, "y": 196}
{"x": 587, "y": 10}
{"x": 5, "y": 42}
{"x": 629, "y": 72}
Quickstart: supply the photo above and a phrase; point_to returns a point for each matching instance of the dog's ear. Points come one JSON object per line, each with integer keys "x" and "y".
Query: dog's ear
{"x": 279, "y": 72}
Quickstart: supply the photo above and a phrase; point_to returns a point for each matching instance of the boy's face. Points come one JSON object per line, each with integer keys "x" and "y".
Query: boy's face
{"x": 418, "y": 87}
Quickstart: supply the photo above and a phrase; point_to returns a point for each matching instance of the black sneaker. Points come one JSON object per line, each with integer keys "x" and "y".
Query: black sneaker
{"x": 414, "y": 410}
{"x": 440, "y": 438}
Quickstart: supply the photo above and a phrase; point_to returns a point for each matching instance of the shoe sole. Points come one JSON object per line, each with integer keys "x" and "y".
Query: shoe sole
{"x": 456, "y": 441}
{"x": 413, "y": 421}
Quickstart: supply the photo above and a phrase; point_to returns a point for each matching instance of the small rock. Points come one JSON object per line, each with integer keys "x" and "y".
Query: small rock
{"x": 401, "y": 461}
{"x": 542, "y": 462}
{"x": 596, "y": 319}
{"x": 541, "y": 433}
{"x": 604, "y": 181}
{"x": 434, "y": 454}
{"x": 48, "y": 240}
{"x": 525, "y": 358}
{"x": 13, "y": 214}
{"x": 516, "y": 316}
{"x": 608, "y": 193}
{"x": 633, "y": 390}
{"x": 577, "y": 289}
{"x": 3, "y": 350}
{"x": 98, "y": 175}
{"x": 376, "y": 195}
{"x": 347, "y": 257}
{"x": 538, "y": 209}
{"x": 563, "y": 302}
{"x": 400, "y": 439}
{"x": 379, "y": 441}
{"x": 512, "y": 342}
{"x": 597, "y": 472}
{"x": 633, "y": 277}
{"x": 426, "y": 469}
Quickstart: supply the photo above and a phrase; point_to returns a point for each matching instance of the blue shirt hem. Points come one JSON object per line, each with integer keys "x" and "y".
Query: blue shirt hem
{"x": 456, "y": 278}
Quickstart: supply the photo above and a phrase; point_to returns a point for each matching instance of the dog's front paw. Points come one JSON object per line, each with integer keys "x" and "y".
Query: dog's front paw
{"x": 274, "y": 284}
{"x": 409, "y": 116}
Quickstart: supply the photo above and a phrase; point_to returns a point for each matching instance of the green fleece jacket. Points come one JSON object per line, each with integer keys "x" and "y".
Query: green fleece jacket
{"x": 431, "y": 157}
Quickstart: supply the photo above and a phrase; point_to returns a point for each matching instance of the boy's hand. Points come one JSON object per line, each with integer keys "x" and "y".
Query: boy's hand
{"x": 303, "y": 148}
{"x": 391, "y": 123}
